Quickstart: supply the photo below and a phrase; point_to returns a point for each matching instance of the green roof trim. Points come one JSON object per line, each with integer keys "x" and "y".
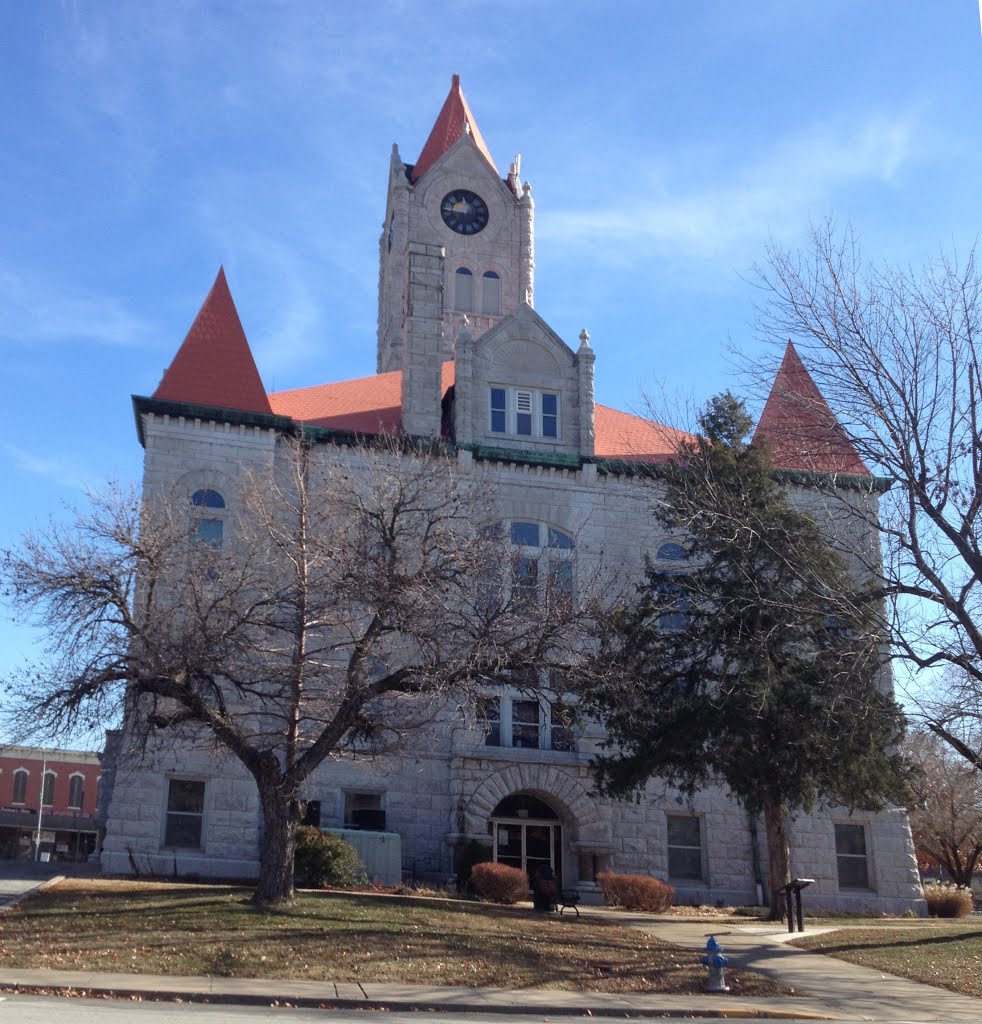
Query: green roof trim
{"x": 237, "y": 417}
{"x": 488, "y": 453}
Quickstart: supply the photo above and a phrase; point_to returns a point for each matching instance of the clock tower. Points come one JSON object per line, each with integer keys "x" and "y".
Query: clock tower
{"x": 457, "y": 241}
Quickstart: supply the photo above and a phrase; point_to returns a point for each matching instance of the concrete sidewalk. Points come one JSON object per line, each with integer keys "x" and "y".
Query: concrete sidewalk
{"x": 829, "y": 986}
{"x": 825, "y": 988}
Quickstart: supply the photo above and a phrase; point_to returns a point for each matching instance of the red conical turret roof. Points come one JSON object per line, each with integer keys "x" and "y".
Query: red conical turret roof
{"x": 801, "y": 429}
{"x": 214, "y": 365}
{"x": 448, "y": 128}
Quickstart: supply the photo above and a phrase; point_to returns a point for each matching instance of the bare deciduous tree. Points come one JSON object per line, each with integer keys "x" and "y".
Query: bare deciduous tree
{"x": 897, "y": 354}
{"x": 358, "y": 592}
{"x": 946, "y": 810}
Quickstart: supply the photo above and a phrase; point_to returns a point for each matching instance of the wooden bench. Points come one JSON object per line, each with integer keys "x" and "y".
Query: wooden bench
{"x": 569, "y": 898}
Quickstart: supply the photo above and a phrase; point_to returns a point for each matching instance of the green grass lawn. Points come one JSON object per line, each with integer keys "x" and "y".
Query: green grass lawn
{"x": 943, "y": 953}
{"x": 162, "y": 928}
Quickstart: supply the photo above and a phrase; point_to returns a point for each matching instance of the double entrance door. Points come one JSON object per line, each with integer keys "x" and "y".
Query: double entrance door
{"x": 527, "y": 844}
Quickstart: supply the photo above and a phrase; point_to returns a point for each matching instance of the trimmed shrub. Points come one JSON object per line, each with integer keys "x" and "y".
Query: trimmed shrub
{"x": 499, "y": 883}
{"x": 635, "y": 892}
{"x": 324, "y": 859}
{"x": 947, "y": 900}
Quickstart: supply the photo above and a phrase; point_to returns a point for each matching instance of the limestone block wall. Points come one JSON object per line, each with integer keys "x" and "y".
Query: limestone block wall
{"x": 445, "y": 783}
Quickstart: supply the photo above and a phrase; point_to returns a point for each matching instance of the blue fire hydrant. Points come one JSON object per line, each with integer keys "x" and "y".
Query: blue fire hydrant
{"x": 716, "y": 963}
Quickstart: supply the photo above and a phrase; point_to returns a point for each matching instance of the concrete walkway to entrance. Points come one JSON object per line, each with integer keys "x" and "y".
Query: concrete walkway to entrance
{"x": 826, "y": 988}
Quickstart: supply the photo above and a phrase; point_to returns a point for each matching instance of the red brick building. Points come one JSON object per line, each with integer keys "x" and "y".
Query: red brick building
{"x": 51, "y": 795}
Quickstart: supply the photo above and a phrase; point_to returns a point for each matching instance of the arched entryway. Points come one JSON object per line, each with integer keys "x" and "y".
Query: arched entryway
{"x": 526, "y": 833}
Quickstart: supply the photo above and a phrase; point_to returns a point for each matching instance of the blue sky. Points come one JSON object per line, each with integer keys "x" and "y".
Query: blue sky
{"x": 666, "y": 142}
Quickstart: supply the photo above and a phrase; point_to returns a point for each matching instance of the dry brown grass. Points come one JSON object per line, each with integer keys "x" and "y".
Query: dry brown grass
{"x": 937, "y": 952}
{"x": 181, "y": 929}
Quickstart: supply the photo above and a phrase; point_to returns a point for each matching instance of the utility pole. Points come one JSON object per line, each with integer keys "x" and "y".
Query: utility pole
{"x": 37, "y": 835}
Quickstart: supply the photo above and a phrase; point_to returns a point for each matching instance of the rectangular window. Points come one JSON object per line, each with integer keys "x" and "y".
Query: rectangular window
{"x": 489, "y": 720}
{"x": 20, "y": 787}
{"x": 75, "y": 792}
{"x": 364, "y": 810}
{"x": 185, "y": 812}
{"x": 524, "y": 412}
{"x": 525, "y": 724}
{"x": 850, "y": 856}
{"x": 561, "y": 580}
{"x": 499, "y": 411}
{"x": 48, "y": 789}
{"x": 525, "y": 579}
{"x": 684, "y": 847}
{"x": 550, "y": 415}
{"x": 209, "y": 531}
{"x": 561, "y": 721}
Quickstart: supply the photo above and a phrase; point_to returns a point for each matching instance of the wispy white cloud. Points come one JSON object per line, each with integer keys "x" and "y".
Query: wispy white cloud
{"x": 59, "y": 470}
{"x": 730, "y": 214}
{"x": 34, "y": 311}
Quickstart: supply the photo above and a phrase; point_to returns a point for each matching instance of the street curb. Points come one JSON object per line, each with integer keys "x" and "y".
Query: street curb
{"x": 408, "y": 1006}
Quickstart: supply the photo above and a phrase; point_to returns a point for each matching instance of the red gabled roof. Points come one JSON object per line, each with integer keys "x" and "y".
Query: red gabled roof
{"x": 214, "y": 365}
{"x": 449, "y": 126}
{"x": 800, "y": 428}
{"x": 365, "y": 405}
{"x": 622, "y": 435}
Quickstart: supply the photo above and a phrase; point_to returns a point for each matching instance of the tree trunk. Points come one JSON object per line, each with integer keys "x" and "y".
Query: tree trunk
{"x": 778, "y": 856}
{"x": 281, "y": 816}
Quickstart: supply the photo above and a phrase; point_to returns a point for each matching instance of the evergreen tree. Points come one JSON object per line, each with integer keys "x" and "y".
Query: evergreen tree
{"x": 756, "y": 660}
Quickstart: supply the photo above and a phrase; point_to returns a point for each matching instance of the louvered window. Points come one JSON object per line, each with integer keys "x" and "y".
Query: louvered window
{"x": 523, "y": 412}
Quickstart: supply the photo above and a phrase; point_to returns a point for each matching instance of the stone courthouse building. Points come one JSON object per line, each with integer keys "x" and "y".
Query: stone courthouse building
{"x": 462, "y": 355}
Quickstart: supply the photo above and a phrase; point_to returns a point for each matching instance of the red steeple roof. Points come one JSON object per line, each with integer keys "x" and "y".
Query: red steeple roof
{"x": 448, "y": 128}
{"x": 214, "y": 365}
{"x": 801, "y": 429}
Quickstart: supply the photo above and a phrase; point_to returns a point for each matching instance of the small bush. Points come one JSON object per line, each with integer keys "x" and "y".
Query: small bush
{"x": 499, "y": 883}
{"x": 635, "y": 892}
{"x": 324, "y": 859}
{"x": 946, "y": 900}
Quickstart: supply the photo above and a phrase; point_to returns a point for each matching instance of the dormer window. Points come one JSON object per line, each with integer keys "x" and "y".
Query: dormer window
{"x": 524, "y": 412}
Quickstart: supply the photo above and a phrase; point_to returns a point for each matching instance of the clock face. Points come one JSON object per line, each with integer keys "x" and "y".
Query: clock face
{"x": 464, "y": 212}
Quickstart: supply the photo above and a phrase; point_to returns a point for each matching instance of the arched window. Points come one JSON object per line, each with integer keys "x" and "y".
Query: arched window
{"x": 671, "y": 553}
{"x": 207, "y": 498}
{"x": 75, "y": 791}
{"x": 20, "y": 786}
{"x": 48, "y": 789}
{"x": 463, "y": 293}
{"x": 491, "y": 293}
{"x": 209, "y": 528}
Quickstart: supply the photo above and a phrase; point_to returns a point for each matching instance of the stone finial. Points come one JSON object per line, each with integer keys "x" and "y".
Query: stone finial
{"x": 584, "y": 338}
{"x": 527, "y": 191}
{"x": 467, "y": 127}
